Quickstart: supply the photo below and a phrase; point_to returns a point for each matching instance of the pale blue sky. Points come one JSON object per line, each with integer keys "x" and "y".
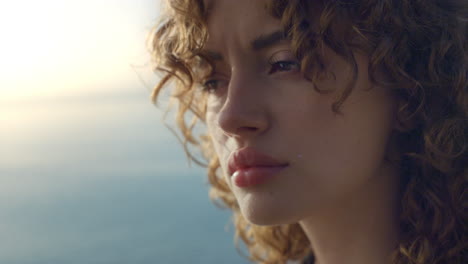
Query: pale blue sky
{"x": 88, "y": 173}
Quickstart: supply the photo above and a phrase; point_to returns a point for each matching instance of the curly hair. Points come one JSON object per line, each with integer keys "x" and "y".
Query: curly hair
{"x": 420, "y": 45}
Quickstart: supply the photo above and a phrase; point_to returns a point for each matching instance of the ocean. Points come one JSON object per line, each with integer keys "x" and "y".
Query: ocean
{"x": 99, "y": 179}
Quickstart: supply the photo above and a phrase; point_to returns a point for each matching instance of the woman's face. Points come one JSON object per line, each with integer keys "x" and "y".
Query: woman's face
{"x": 259, "y": 100}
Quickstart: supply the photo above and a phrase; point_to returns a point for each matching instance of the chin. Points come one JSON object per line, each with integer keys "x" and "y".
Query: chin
{"x": 265, "y": 212}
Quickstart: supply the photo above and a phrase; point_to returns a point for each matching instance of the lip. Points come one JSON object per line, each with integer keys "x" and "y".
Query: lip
{"x": 249, "y": 159}
{"x": 252, "y": 176}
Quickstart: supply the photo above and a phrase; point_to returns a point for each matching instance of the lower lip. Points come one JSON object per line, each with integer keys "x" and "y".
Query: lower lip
{"x": 255, "y": 175}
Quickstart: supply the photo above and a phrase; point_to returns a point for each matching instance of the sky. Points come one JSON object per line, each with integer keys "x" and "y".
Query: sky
{"x": 56, "y": 47}
{"x": 64, "y": 64}
{"x": 88, "y": 172}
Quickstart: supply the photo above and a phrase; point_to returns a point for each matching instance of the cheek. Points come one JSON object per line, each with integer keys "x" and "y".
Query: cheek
{"x": 218, "y": 139}
{"x": 340, "y": 152}
{"x": 210, "y": 120}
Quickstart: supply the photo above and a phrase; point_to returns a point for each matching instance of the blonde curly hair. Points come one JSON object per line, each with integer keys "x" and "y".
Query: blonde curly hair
{"x": 422, "y": 48}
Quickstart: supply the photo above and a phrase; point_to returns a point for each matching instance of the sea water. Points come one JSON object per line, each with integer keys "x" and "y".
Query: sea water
{"x": 99, "y": 179}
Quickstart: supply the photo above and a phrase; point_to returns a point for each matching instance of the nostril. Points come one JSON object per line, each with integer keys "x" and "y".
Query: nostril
{"x": 247, "y": 129}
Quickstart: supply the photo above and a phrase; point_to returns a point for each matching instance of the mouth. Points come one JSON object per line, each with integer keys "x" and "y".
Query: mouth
{"x": 248, "y": 167}
{"x": 252, "y": 176}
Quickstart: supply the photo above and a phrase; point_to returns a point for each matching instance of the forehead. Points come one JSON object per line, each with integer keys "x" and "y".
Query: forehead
{"x": 237, "y": 22}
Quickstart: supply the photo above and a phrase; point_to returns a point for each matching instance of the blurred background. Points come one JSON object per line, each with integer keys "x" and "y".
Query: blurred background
{"x": 88, "y": 172}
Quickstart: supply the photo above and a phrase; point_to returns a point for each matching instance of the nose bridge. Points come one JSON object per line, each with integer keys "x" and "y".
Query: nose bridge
{"x": 244, "y": 111}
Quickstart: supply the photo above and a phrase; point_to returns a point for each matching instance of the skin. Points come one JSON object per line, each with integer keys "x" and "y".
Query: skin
{"x": 337, "y": 186}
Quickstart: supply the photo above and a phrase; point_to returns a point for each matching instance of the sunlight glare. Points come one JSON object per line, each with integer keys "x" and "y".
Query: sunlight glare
{"x": 62, "y": 47}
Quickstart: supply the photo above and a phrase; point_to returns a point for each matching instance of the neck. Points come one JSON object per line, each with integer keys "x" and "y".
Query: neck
{"x": 362, "y": 229}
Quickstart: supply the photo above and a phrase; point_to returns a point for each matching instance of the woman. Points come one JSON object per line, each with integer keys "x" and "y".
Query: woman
{"x": 336, "y": 131}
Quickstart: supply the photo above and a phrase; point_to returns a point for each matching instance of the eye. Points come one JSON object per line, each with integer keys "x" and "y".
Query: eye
{"x": 283, "y": 61}
{"x": 284, "y": 66}
{"x": 210, "y": 85}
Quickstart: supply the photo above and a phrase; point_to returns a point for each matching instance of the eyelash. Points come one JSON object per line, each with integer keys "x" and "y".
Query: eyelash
{"x": 276, "y": 66}
{"x": 283, "y": 62}
{"x": 206, "y": 86}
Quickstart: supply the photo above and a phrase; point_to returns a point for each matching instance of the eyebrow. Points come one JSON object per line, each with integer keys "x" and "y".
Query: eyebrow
{"x": 259, "y": 43}
{"x": 268, "y": 40}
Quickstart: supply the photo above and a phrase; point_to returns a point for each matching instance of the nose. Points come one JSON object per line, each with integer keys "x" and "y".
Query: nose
{"x": 244, "y": 113}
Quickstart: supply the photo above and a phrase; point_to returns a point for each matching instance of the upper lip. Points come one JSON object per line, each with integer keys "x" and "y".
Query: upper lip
{"x": 249, "y": 157}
